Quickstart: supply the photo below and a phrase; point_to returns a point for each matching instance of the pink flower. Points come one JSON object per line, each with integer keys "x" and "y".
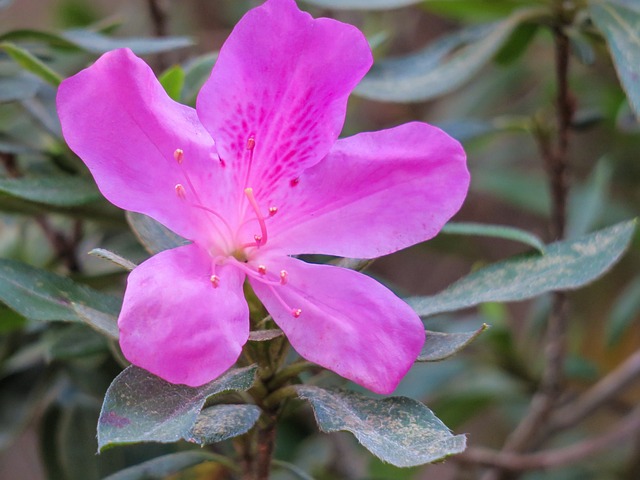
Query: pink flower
{"x": 253, "y": 176}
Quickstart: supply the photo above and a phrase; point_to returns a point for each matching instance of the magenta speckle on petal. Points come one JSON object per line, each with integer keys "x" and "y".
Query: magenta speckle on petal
{"x": 114, "y": 420}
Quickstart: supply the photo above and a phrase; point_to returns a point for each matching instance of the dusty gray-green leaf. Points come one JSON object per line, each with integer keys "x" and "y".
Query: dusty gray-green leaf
{"x": 41, "y": 295}
{"x": 440, "y": 346}
{"x": 95, "y": 42}
{"x": 17, "y": 87}
{"x": 153, "y": 236}
{"x": 104, "y": 323}
{"x": 621, "y": 27}
{"x": 31, "y": 63}
{"x": 398, "y": 430}
{"x": 57, "y": 190}
{"x": 495, "y": 231}
{"x": 442, "y": 66}
{"x": 363, "y": 4}
{"x": 264, "y": 335}
{"x": 567, "y": 265}
{"x": 163, "y": 467}
{"x": 140, "y": 407}
{"x": 113, "y": 258}
{"x": 220, "y": 422}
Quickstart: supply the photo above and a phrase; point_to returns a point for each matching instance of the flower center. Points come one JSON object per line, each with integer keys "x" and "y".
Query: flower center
{"x": 226, "y": 248}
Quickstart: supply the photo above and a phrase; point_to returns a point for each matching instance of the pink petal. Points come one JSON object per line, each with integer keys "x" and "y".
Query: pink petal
{"x": 176, "y": 325}
{"x": 282, "y": 78}
{"x": 118, "y": 119}
{"x": 374, "y": 194}
{"x": 349, "y": 323}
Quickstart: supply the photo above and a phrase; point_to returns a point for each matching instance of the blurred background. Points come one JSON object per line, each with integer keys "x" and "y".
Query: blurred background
{"x": 53, "y": 375}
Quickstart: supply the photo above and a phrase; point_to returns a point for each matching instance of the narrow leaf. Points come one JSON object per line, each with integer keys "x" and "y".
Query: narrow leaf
{"x": 57, "y": 190}
{"x": 264, "y": 335}
{"x": 153, "y": 236}
{"x": 140, "y": 407}
{"x": 621, "y": 27}
{"x": 398, "y": 430}
{"x": 98, "y": 43}
{"x": 440, "y": 346}
{"x": 220, "y": 422}
{"x": 444, "y": 65}
{"x": 567, "y": 265}
{"x": 18, "y": 87}
{"x": 41, "y": 295}
{"x": 113, "y": 258}
{"x": 30, "y": 63}
{"x": 163, "y": 467}
{"x": 496, "y": 231}
{"x": 104, "y": 323}
{"x": 624, "y": 312}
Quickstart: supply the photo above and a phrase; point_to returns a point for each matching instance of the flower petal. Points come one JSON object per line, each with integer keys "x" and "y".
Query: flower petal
{"x": 374, "y": 194}
{"x": 282, "y": 78}
{"x": 117, "y": 118}
{"x": 349, "y": 323}
{"x": 173, "y": 322}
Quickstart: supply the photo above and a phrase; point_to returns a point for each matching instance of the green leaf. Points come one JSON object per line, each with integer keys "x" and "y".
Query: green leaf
{"x": 398, "y": 430}
{"x": 443, "y": 66}
{"x": 264, "y": 335}
{"x": 496, "y": 231}
{"x": 18, "y": 87}
{"x": 567, "y": 265}
{"x": 163, "y": 467}
{"x": 153, "y": 236}
{"x": 140, "y": 407}
{"x": 113, "y": 258}
{"x": 98, "y": 43}
{"x": 587, "y": 204}
{"x": 220, "y": 422}
{"x": 30, "y": 63}
{"x": 440, "y": 346}
{"x": 621, "y": 27}
{"x": 104, "y": 323}
{"x": 624, "y": 313}
{"x": 41, "y": 295}
{"x": 363, "y": 4}
{"x": 57, "y": 190}
{"x": 172, "y": 80}
{"x": 197, "y": 71}
{"x": 73, "y": 341}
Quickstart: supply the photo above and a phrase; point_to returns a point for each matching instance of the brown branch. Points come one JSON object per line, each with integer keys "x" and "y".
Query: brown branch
{"x": 556, "y": 162}
{"x": 159, "y": 12}
{"x": 607, "y": 388}
{"x": 515, "y": 462}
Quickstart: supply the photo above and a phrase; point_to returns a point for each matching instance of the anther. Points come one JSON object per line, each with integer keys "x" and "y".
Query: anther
{"x": 251, "y": 143}
{"x": 284, "y": 277}
{"x": 258, "y": 239}
{"x": 273, "y": 211}
{"x": 296, "y": 312}
{"x": 180, "y": 191}
{"x": 215, "y": 281}
{"x": 178, "y": 155}
{"x": 262, "y": 270}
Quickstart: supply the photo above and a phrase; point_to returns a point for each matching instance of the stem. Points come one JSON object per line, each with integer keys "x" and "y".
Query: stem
{"x": 266, "y": 438}
{"x": 556, "y": 162}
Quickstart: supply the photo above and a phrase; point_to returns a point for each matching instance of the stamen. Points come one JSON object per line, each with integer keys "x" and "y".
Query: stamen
{"x": 262, "y": 270}
{"x": 284, "y": 277}
{"x": 260, "y": 239}
{"x": 251, "y": 143}
{"x": 180, "y": 191}
{"x": 215, "y": 281}
{"x": 296, "y": 312}
{"x": 273, "y": 211}
{"x": 179, "y": 155}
